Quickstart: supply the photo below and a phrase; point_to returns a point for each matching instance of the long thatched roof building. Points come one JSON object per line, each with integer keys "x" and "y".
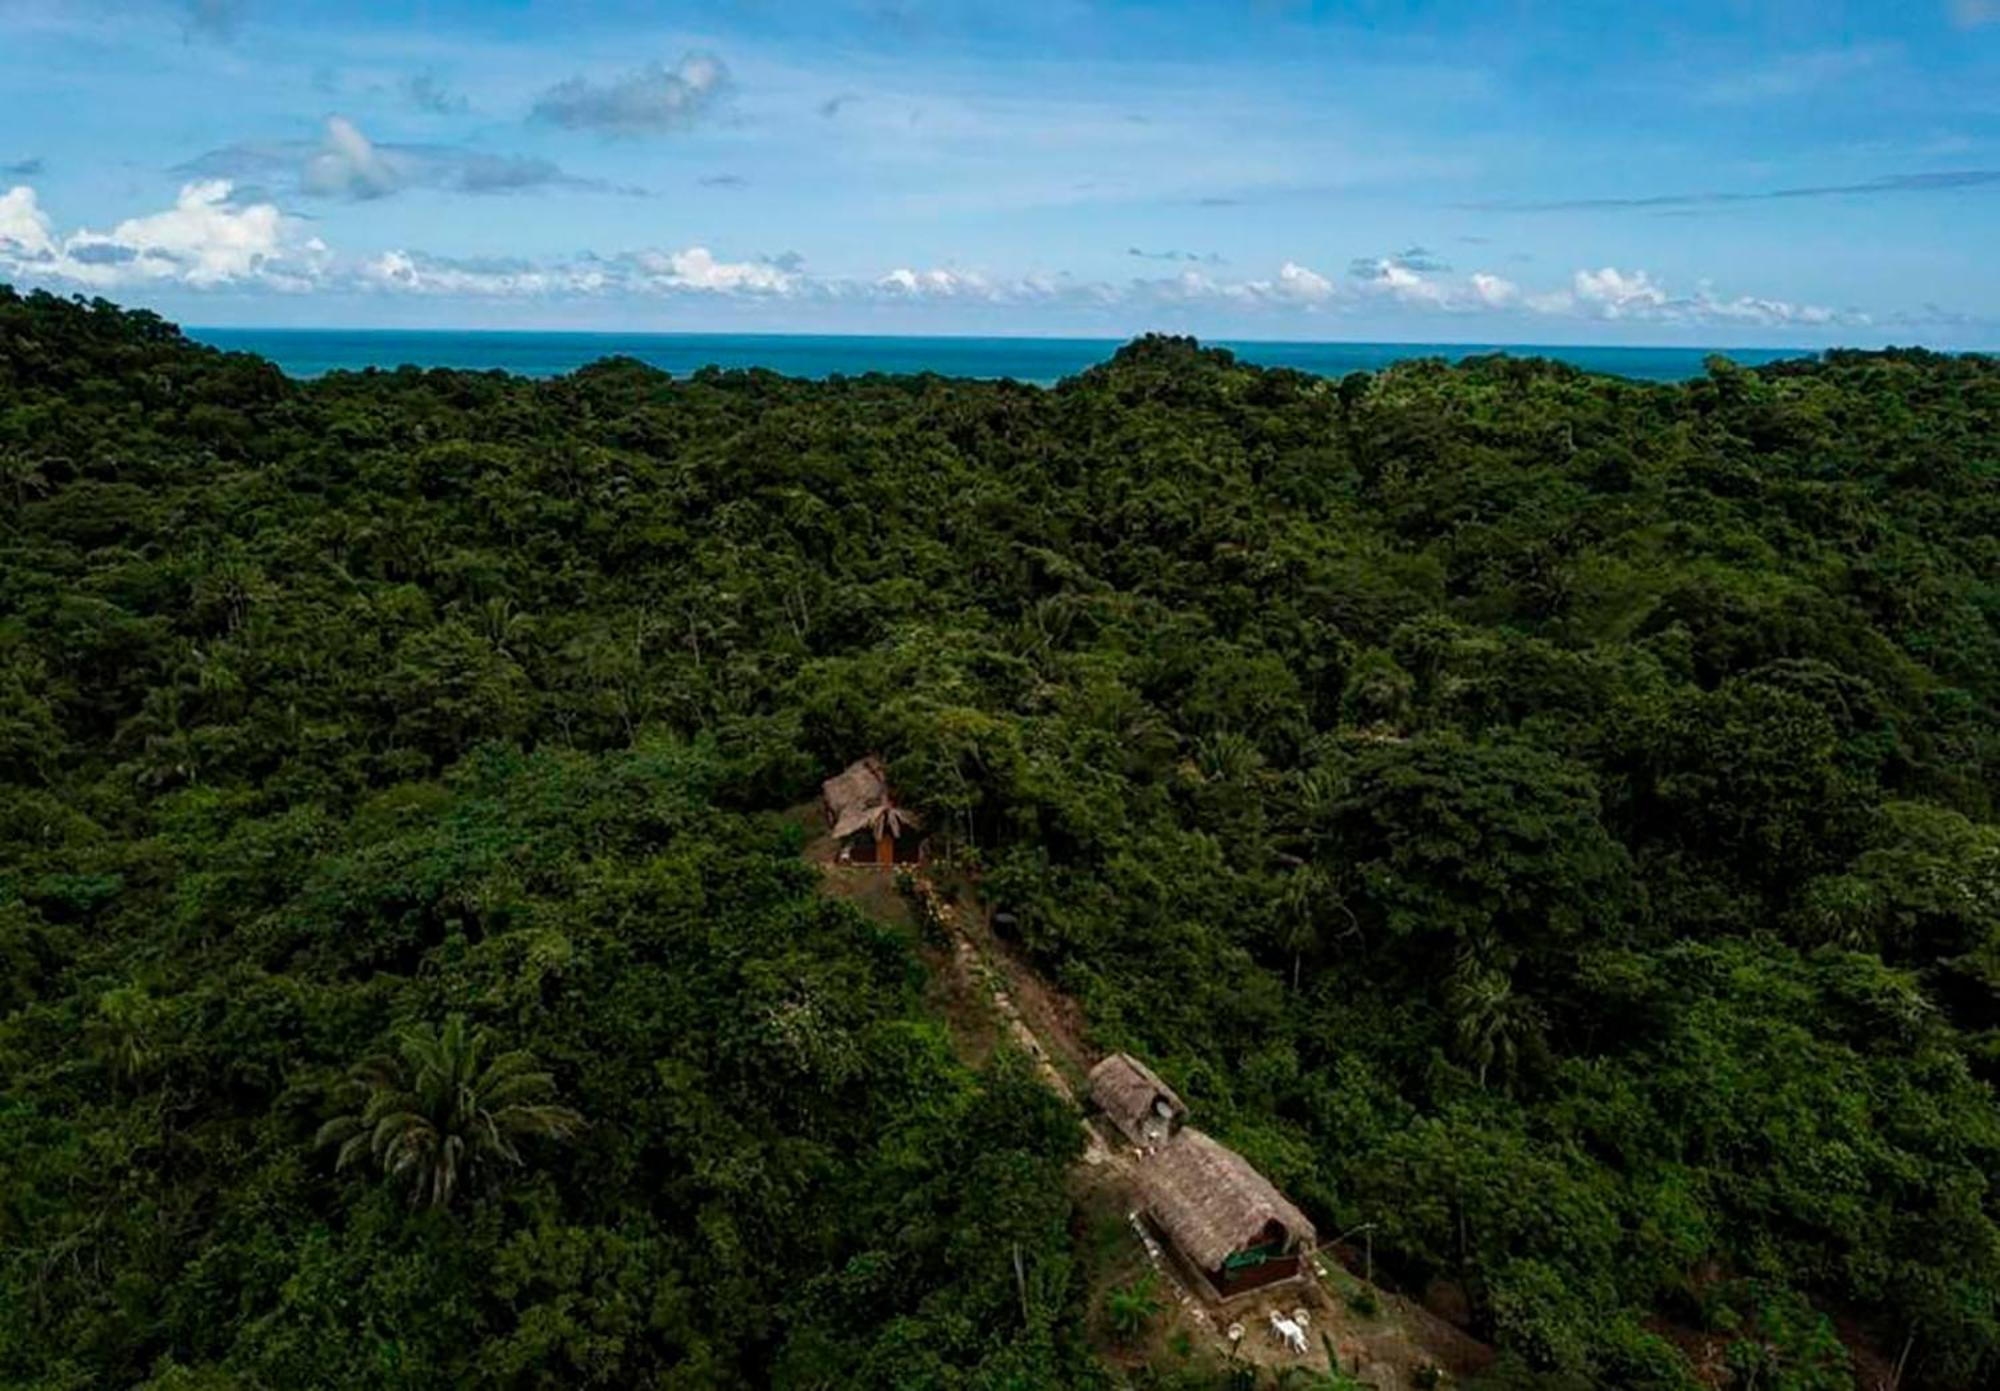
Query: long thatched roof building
{"x": 1228, "y": 1221}
{"x": 1133, "y": 1098}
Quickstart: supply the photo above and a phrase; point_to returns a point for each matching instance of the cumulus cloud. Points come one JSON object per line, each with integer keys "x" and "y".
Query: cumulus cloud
{"x": 1601, "y": 293}
{"x": 1609, "y": 293}
{"x": 1392, "y": 278}
{"x": 346, "y": 163}
{"x": 205, "y": 240}
{"x": 410, "y": 272}
{"x": 1709, "y": 307}
{"x": 936, "y": 283}
{"x": 24, "y": 227}
{"x": 210, "y": 239}
{"x": 1297, "y": 282}
{"x": 1616, "y": 294}
{"x": 697, "y": 269}
{"x": 1604, "y": 293}
{"x": 650, "y": 101}
{"x": 1493, "y": 291}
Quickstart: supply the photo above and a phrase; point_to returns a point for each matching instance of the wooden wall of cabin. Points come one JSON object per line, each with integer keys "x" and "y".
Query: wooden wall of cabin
{"x": 1250, "y": 1277}
{"x": 864, "y": 848}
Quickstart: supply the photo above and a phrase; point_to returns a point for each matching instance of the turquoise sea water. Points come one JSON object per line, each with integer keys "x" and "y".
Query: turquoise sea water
{"x": 312, "y": 352}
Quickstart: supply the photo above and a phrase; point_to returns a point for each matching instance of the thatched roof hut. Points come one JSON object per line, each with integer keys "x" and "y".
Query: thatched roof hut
{"x": 857, "y": 801}
{"x": 1213, "y": 1205}
{"x": 1134, "y": 1099}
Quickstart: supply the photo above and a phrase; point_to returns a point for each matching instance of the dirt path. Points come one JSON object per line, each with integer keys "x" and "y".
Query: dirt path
{"x": 1055, "y": 1018}
{"x": 980, "y": 967}
{"x": 1382, "y": 1338}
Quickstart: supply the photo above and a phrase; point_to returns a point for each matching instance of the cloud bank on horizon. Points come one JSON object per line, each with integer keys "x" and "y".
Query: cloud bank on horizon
{"x": 1034, "y": 168}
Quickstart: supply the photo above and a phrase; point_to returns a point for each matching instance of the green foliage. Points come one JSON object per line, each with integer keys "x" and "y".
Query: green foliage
{"x": 1130, "y": 1308}
{"x": 1548, "y": 818}
{"x": 1781, "y": 1341}
{"x": 439, "y": 1115}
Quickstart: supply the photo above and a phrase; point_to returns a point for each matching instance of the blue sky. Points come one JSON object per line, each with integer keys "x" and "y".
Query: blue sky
{"x": 1702, "y": 173}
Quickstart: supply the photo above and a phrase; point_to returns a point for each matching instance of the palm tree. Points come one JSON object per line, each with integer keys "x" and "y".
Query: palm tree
{"x": 1131, "y": 1307}
{"x": 436, "y": 1119}
{"x": 1490, "y": 1022}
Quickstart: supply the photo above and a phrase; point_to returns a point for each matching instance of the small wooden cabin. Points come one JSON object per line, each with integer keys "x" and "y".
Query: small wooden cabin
{"x": 1227, "y": 1222}
{"x": 863, "y": 816}
{"x": 1133, "y": 1098}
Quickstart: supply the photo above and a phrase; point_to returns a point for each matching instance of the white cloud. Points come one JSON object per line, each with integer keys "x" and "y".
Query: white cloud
{"x": 1494, "y": 291}
{"x": 1613, "y": 294}
{"x": 1299, "y": 282}
{"x": 208, "y": 240}
{"x": 205, "y": 240}
{"x": 1401, "y": 283}
{"x": 1602, "y": 293}
{"x": 1752, "y": 309}
{"x": 1610, "y": 293}
{"x": 24, "y": 227}
{"x": 349, "y": 166}
{"x": 1401, "y": 279}
{"x": 694, "y": 270}
{"x": 934, "y": 282}
{"x": 697, "y": 269}
{"x": 415, "y": 273}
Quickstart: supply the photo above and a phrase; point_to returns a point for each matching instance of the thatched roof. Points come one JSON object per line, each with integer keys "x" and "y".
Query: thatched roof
{"x": 880, "y": 821}
{"x": 1126, "y": 1090}
{"x": 858, "y": 799}
{"x": 1208, "y": 1199}
{"x": 864, "y": 783}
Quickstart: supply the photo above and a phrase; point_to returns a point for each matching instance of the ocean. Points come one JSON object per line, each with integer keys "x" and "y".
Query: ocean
{"x": 314, "y": 352}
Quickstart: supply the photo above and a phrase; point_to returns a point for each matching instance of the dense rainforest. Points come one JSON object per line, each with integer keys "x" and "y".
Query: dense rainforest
{"x": 1548, "y": 817}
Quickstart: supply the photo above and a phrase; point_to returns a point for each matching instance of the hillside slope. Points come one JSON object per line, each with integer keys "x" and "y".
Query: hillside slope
{"x": 1547, "y": 817}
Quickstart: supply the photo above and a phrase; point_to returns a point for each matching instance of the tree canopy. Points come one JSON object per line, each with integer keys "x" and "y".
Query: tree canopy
{"x": 1548, "y": 817}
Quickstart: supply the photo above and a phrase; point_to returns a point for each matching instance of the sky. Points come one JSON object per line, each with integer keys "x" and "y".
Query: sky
{"x": 1711, "y": 172}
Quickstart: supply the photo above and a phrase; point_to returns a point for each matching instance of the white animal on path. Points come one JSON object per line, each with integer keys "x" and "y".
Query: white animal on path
{"x": 1289, "y": 1333}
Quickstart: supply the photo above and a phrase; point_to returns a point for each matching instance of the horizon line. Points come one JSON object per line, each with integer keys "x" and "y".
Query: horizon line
{"x": 1204, "y": 339}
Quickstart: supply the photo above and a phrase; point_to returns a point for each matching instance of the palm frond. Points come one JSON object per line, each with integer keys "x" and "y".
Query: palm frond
{"x": 430, "y": 1115}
